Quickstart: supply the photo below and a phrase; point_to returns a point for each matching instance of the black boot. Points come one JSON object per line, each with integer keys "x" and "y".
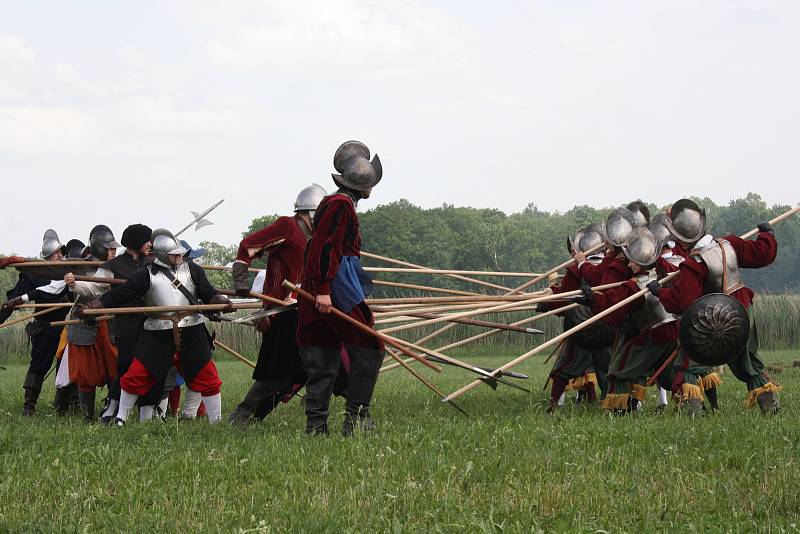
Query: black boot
{"x": 321, "y": 364}
{"x": 61, "y": 401}
{"x": 87, "y": 399}
{"x": 711, "y": 393}
{"x": 258, "y": 393}
{"x": 364, "y": 367}
{"x": 32, "y": 387}
{"x": 74, "y": 399}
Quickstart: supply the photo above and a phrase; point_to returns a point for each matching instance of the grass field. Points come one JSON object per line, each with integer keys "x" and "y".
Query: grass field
{"x": 508, "y": 467}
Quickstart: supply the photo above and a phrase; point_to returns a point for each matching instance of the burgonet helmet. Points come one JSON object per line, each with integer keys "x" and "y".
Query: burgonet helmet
{"x": 640, "y": 212}
{"x": 309, "y": 198}
{"x": 642, "y": 247}
{"x": 658, "y": 225}
{"x": 356, "y": 171}
{"x": 619, "y": 226}
{"x": 687, "y": 221}
{"x": 50, "y": 243}
{"x": 165, "y": 244}
{"x": 714, "y": 329}
{"x": 101, "y": 239}
{"x": 73, "y": 250}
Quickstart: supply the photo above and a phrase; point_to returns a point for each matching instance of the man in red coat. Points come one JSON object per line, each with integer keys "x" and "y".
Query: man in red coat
{"x": 713, "y": 266}
{"x": 333, "y": 273}
{"x": 279, "y": 371}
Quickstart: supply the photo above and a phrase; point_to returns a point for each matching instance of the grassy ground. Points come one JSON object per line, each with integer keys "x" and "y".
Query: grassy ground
{"x": 428, "y": 468}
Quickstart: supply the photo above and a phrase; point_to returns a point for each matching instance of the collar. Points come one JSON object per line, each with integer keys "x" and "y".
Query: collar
{"x": 352, "y": 195}
{"x": 704, "y": 242}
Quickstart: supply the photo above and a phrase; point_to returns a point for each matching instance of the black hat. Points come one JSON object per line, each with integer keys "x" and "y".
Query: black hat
{"x": 135, "y": 236}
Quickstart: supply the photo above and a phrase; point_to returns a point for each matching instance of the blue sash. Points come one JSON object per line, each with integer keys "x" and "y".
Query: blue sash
{"x": 351, "y": 284}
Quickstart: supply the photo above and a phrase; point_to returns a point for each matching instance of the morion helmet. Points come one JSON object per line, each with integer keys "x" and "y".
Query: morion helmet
{"x": 642, "y": 247}
{"x": 309, "y": 198}
{"x": 356, "y": 170}
{"x": 50, "y": 243}
{"x": 619, "y": 226}
{"x": 687, "y": 221}
{"x": 165, "y": 244}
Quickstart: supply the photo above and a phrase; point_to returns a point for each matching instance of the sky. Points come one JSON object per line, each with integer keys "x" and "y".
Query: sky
{"x": 124, "y": 112}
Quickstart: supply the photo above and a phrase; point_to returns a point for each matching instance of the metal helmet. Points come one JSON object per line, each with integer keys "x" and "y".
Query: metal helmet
{"x": 642, "y": 247}
{"x": 596, "y": 336}
{"x": 640, "y": 212}
{"x": 658, "y": 225}
{"x": 714, "y": 329}
{"x": 619, "y": 226}
{"x": 74, "y": 249}
{"x": 309, "y": 198}
{"x": 687, "y": 221}
{"x": 50, "y": 243}
{"x": 165, "y": 244}
{"x": 100, "y": 240}
{"x": 356, "y": 170}
{"x": 594, "y": 234}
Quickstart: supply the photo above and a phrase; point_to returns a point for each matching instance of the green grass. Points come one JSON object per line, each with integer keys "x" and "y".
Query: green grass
{"x": 507, "y": 467}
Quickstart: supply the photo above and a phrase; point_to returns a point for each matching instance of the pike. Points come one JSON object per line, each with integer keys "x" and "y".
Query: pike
{"x": 599, "y": 316}
{"x": 487, "y": 324}
{"x": 238, "y": 356}
{"x": 199, "y": 220}
{"x": 170, "y": 309}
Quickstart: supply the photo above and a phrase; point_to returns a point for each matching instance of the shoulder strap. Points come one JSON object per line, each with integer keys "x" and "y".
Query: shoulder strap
{"x": 176, "y": 283}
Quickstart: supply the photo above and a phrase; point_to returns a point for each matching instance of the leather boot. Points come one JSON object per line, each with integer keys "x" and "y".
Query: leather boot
{"x": 61, "y": 401}
{"x": 712, "y": 399}
{"x": 87, "y": 399}
{"x": 258, "y": 393}
{"x": 364, "y": 367}
{"x": 768, "y": 402}
{"x": 321, "y": 364}
{"x": 74, "y": 399}
{"x": 32, "y": 387}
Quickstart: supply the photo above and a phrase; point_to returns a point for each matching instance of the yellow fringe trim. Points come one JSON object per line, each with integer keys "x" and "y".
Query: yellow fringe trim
{"x": 710, "y": 381}
{"x": 616, "y": 401}
{"x": 62, "y": 344}
{"x": 639, "y": 392}
{"x": 575, "y": 383}
{"x": 581, "y": 382}
{"x": 691, "y": 391}
{"x": 752, "y": 395}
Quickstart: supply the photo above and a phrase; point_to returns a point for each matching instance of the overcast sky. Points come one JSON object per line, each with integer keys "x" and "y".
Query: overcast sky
{"x": 122, "y": 112}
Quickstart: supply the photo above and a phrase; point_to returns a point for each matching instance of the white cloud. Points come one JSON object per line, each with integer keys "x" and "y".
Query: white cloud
{"x": 160, "y": 115}
{"x": 40, "y": 130}
{"x": 349, "y": 38}
{"x": 14, "y": 51}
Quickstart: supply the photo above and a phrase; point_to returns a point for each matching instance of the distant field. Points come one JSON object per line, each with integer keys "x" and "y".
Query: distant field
{"x": 508, "y": 467}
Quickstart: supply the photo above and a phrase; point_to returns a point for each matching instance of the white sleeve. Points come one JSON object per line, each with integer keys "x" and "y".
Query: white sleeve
{"x": 94, "y": 289}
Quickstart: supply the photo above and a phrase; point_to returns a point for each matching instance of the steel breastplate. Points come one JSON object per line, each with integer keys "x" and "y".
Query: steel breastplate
{"x": 723, "y": 267}
{"x": 163, "y": 293}
{"x": 652, "y": 313}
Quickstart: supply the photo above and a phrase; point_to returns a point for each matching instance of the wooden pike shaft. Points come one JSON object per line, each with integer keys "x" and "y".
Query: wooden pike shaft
{"x": 667, "y": 362}
{"x": 423, "y": 288}
{"x": 44, "y": 305}
{"x": 412, "y": 315}
{"x": 453, "y": 300}
{"x": 415, "y": 266}
{"x": 431, "y": 309}
{"x": 78, "y": 321}
{"x": 447, "y": 271}
{"x": 170, "y": 309}
{"x": 99, "y": 279}
{"x": 555, "y": 269}
{"x": 238, "y": 356}
{"x": 561, "y": 336}
{"x": 29, "y": 316}
{"x": 361, "y": 326}
{"x": 776, "y": 220}
{"x": 490, "y": 333}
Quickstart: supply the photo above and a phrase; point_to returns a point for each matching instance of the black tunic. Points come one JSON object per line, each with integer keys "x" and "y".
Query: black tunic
{"x": 123, "y": 267}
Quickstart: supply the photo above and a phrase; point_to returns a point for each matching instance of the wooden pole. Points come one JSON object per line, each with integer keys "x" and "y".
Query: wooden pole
{"x": 361, "y": 326}
{"x": 79, "y": 321}
{"x": 29, "y": 316}
{"x": 99, "y": 279}
{"x": 423, "y": 288}
{"x": 44, "y": 305}
{"x": 652, "y": 379}
{"x": 238, "y": 356}
{"x": 455, "y": 276}
{"x": 776, "y": 220}
{"x": 490, "y": 333}
{"x": 452, "y": 300}
{"x": 447, "y": 271}
{"x": 171, "y": 309}
{"x": 557, "y": 268}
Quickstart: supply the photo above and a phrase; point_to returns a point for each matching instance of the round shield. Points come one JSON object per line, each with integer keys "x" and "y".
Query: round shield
{"x": 714, "y": 329}
{"x": 596, "y": 336}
